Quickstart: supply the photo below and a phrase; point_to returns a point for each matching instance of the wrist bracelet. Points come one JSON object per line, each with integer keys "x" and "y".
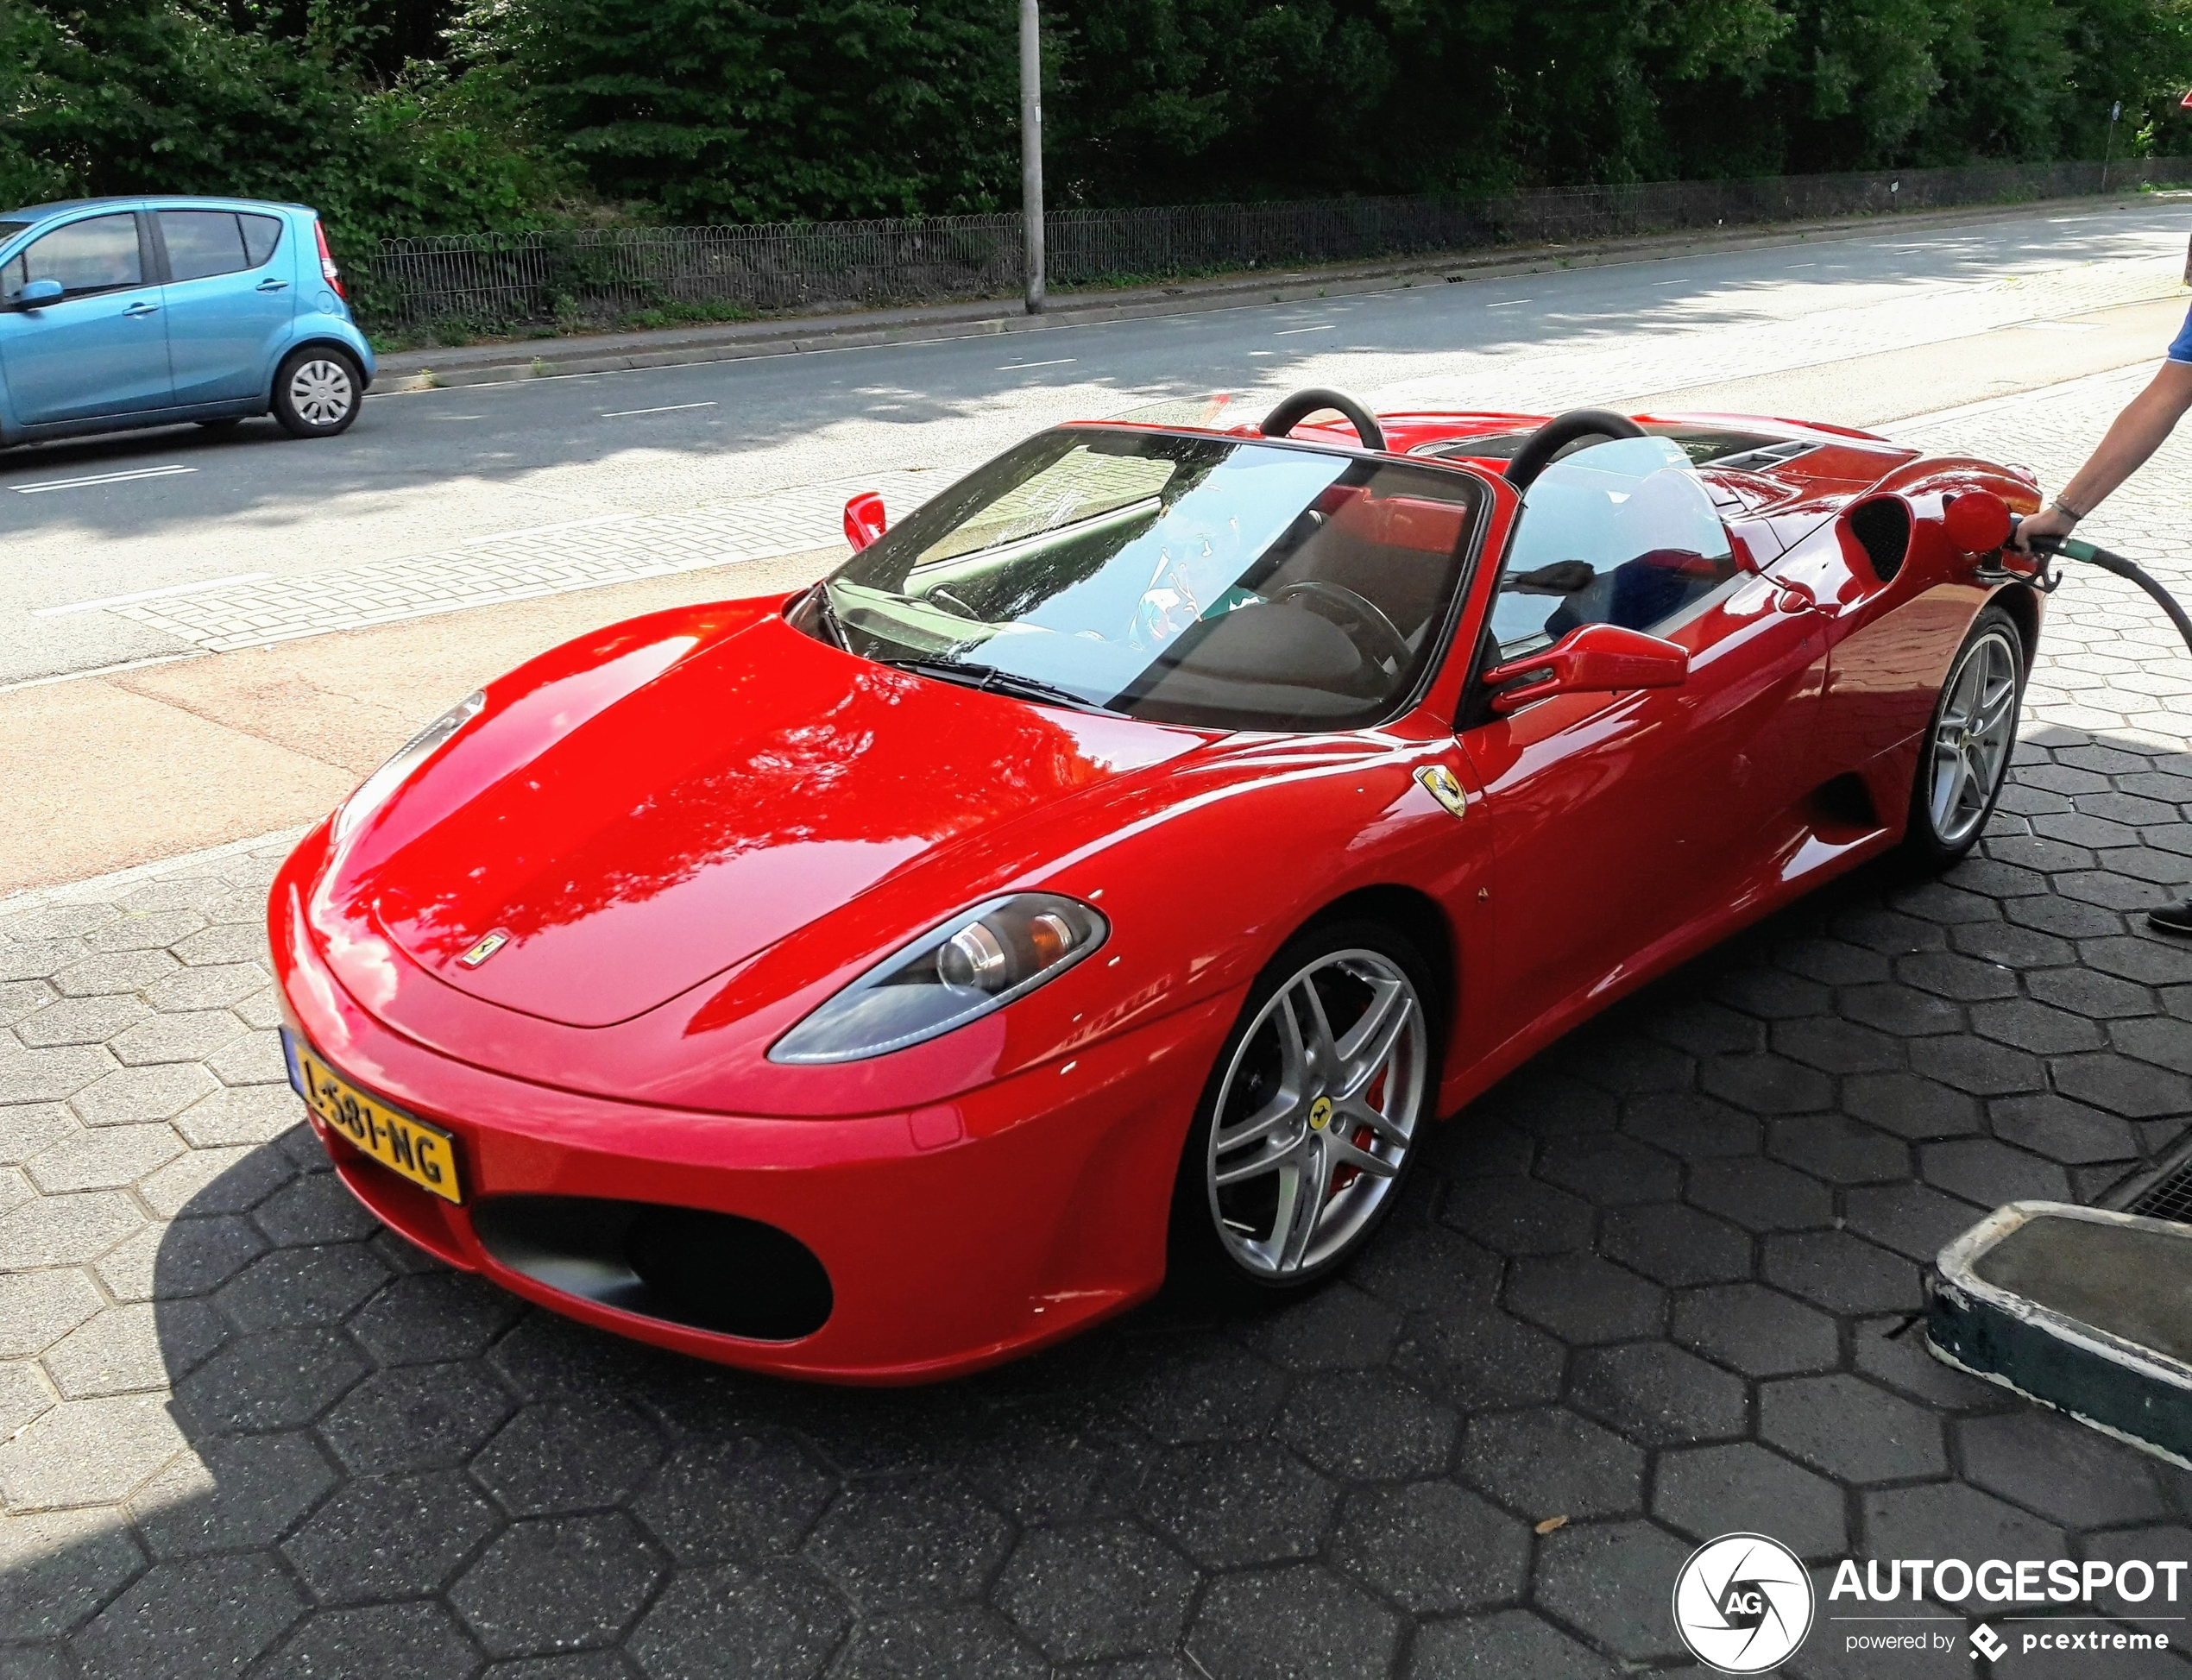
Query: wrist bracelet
{"x": 2066, "y": 510}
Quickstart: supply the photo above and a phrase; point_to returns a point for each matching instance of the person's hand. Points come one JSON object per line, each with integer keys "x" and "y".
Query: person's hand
{"x": 2045, "y": 523}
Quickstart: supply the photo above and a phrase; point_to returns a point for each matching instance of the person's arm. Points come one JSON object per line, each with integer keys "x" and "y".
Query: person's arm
{"x": 2147, "y": 420}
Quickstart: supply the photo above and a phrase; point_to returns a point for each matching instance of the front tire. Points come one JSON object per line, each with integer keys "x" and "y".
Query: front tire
{"x": 317, "y": 391}
{"x": 1309, "y": 1124}
{"x": 1964, "y": 758}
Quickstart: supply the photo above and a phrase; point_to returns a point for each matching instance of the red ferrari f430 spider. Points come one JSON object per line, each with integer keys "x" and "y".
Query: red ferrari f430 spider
{"x": 1116, "y": 865}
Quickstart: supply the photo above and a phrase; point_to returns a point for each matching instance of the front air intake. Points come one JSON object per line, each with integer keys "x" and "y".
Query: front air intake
{"x": 1882, "y": 528}
{"x": 683, "y": 1264}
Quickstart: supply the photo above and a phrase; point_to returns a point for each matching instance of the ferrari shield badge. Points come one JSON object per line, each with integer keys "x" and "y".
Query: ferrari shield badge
{"x": 486, "y": 948}
{"x": 1443, "y": 785}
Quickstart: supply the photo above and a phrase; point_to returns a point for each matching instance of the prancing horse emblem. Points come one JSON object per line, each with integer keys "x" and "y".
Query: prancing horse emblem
{"x": 1320, "y": 1113}
{"x": 486, "y": 948}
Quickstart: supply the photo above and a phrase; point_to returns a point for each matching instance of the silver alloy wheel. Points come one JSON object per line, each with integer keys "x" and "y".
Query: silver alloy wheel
{"x": 321, "y": 393}
{"x": 1972, "y": 737}
{"x": 1314, "y": 1119}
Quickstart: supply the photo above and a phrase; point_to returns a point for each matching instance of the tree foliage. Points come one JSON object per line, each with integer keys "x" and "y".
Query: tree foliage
{"x": 415, "y": 115}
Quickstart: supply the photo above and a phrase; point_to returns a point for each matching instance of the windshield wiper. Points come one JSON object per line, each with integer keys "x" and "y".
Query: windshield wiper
{"x": 991, "y": 680}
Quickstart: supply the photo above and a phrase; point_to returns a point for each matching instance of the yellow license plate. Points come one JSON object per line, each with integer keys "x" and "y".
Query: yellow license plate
{"x": 425, "y": 1154}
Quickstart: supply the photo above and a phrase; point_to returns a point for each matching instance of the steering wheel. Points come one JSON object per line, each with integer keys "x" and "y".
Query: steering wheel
{"x": 1375, "y": 637}
{"x": 1301, "y": 404}
{"x": 1557, "y": 433}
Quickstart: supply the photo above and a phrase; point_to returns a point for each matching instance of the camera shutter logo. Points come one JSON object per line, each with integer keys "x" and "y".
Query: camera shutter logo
{"x": 1742, "y": 1603}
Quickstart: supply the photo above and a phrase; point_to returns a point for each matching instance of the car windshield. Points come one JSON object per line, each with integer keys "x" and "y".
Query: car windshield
{"x": 9, "y": 230}
{"x": 1211, "y": 582}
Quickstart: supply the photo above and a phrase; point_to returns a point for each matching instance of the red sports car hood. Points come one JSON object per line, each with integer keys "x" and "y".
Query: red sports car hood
{"x": 637, "y": 814}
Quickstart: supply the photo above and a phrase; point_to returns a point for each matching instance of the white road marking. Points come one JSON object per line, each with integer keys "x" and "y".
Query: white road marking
{"x": 146, "y": 594}
{"x": 103, "y": 670}
{"x": 99, "y": 478}
{"x": 667, "y": 408}
{"x": 1510, "y": 302}
{"x": 1063, "y": 362}
{"x": 1289, "y": 332}
{"x": 2062, "y": 326}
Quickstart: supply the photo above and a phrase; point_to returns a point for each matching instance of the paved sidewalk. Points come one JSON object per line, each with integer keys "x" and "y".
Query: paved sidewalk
{"x": 1656, "y": 1287}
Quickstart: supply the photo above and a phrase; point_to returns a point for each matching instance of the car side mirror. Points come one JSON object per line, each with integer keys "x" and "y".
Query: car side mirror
{"x": 1593, "y": 658}
{"x": 39, "y": 293}
{"x": 864, "y": 520}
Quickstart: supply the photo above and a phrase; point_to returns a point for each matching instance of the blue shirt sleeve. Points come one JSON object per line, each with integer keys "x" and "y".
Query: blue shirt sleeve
{"x": 2181, "y": 347}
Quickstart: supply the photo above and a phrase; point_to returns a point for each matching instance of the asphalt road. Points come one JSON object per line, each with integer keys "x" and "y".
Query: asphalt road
{"x": 1894, "y": 312}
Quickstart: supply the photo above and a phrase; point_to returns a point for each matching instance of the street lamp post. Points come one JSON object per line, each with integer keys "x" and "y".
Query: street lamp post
{"x": 2108, "y": 153}
{"x": 1031, "y": 146}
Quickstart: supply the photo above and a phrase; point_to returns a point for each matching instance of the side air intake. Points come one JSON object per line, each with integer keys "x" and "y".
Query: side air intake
{"x": 1882, "y": 528}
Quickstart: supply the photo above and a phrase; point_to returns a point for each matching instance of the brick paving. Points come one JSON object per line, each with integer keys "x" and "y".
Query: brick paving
{"x": 583, "y": 554}
{"x": 1657, "y": 1285}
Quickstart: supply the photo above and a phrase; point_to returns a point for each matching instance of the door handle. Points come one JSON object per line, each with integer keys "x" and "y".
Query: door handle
{"x": 137, "y": 311}
{"x": 273, "y": 286}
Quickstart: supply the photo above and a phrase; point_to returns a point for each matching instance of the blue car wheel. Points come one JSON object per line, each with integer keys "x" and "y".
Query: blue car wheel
{"x": 317, "y": 392}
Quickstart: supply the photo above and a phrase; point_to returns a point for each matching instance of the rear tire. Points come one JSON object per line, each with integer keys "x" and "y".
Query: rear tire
{"x": 317, "y": 391}
{"x": 1311, "y": 1117}
{"x": 1964, "y": 758}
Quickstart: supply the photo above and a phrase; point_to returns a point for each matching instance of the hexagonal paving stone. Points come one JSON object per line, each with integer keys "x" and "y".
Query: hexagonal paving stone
{"x": 1694, "y": 1126}
{"x": 187, "y": 1257}
{"x": 203, "y": 1617}
{"x": 1432, "y": 1546}
{"x": 57, "y": 1566}
{"x": 417, "y": 1418}
{"x": 1761, "y": 1195}
{"x": 1548, "y": 1461}
{"x": 1341, "y": 1327}
{"x": 2046, "y": 1463}
{"x": 1841, "y": 1271}
{"x": 1987, "y": 1173}
{"x": 106, "y": 1158}
{"x": 232, "y": 1494}
{"x": 976, "y": 1644}
{"x": 131, "y": 1096}
{"x": 1582, "y": 1299}
{"x": 1611, "y": 1171}
{"x": 1482, "y": 1357}
{"x": 1911, "y": 1107}
{"x": 65, "y": 1230}
{"x": 1197, "y": 1391}
{"x": 1612, "y": 1581}
{"x": 313, "y": 1208}
{"x": 1656, "y": 1394}
{"x": 133, "y": 1347}
{"x": 190, "y": 1037}
{"x": 899, "y": 1546}
{"x": 1520, "y": 1217}
{"x": 1674, "y": 1244}
{"x": 1849, "y": 1429}
{"x": 2054, "y": 1126}
{"x": 419, "y": 1641}
{"x": 1838, "y": 1149}
{"x": 431, "y": 1316}
{"x": 568, "y": 1454}
{"x": 1915, "y": 1220}
{"x": 1229, "y": 1504}
{"x": 246, "y": 1113}
{"x": 560, "y": 1584}
{"x": 716, "y": 1499}
{"x": 390, "y": 1537}
{"x": 1094, "y": 1590}
{"x": 1367, "y": 1426}
{"x": 293, "y": 1287}
{"x": 87, "y": 1452}
{"x": 38, "y": 1308}
{"x": 1299, "y": 1620}
{"x": 1511, "y": 1642}
{"x": 1706, "y": 1491}
{"x": 1950, "y": 1519}
{"x": 80, "y": 1021}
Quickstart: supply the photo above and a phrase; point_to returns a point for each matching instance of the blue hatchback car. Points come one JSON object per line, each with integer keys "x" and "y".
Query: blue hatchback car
{"x": 123, "y": 312}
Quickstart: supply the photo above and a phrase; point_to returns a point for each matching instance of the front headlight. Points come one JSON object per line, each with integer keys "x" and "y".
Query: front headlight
{"x": 377, "y": 787}
{"x": 978, "y": 961}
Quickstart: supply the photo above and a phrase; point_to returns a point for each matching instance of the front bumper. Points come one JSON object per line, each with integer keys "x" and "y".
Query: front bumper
{"x": 953, "y": 1236}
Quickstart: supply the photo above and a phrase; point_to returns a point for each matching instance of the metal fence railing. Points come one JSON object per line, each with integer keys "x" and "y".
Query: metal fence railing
{"x": 590, "y": 277}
